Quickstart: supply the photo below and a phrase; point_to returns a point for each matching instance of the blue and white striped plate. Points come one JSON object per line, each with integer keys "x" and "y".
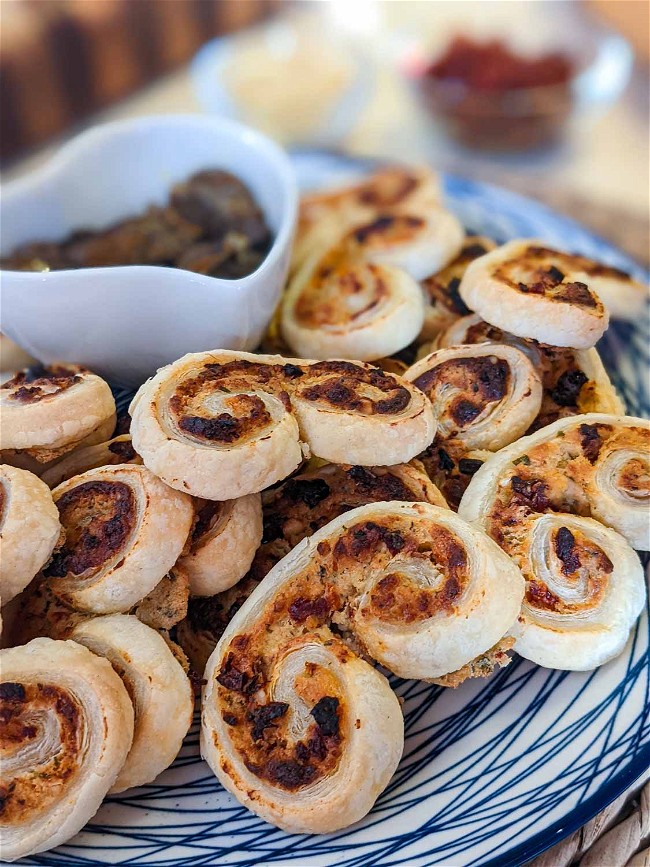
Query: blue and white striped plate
{"x": 494, "y": 771}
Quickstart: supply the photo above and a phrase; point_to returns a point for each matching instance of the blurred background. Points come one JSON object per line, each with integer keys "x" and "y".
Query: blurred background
{"x": 549, "y": 98}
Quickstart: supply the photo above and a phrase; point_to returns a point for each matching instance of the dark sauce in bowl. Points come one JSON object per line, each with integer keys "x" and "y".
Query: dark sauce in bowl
{"x": 211, "y": 224}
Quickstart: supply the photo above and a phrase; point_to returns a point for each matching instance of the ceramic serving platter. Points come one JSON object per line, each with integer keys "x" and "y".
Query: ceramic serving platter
{"x": 494, "y": 771}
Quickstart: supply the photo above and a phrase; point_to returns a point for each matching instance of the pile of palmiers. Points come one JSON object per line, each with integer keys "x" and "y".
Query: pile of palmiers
{"x": 428, "y": 470}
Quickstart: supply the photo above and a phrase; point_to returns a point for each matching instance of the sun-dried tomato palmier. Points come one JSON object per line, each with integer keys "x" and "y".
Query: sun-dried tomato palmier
{"x": 525, "y": 288}
{"x": 49, "y": 410}
{"x": 295, "y": 724}
{"x": 351, "y": 308}
{"x": 124, "y": 530}
{"x": 545, "y": 500}
{"x": 29, "y": 529}
{"x": 67, "y": 727}
{"x": 291, "y": 512}
{"x": 224, "y": 424}
{"x": 574, "y": 381}
{"x": 223, "y": 542}
{"x": 624, "y": 297}
{"x": 163, "y": 701}
{"x": 484, "y": 396}
{"x": 360, "y": 298}
{"x": 325, "y": 216}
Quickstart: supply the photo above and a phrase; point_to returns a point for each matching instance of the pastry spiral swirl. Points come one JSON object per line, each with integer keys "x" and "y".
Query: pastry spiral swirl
{"x": 47, "y": 411}
{"x": 324, "y": 216}
{"x": 67, "y": 729}
{"x": 574, "y": 380}
{"x": 223, "y": 543}
{"x": 624, "y": 297}
{"x": 526, "y": 289}
{"x": 291, "y": 512}
{"x": 542, "y": 499}
{"x": 222, "y": 424}
{"x": 351, "y": 309}
{"x": 124, "y": 530}
{"x": 288, "y": 708}
{"x": 484, "y": 396}
{"x": 159, "y": 689}
{"x": 360, "y": 298}
{"x": 29, "y": 529}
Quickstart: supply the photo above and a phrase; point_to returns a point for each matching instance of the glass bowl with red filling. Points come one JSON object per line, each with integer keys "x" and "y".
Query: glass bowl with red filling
{"x": 489, "y": 95}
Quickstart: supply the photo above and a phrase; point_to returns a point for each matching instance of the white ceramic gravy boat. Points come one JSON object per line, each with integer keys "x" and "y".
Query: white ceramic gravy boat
{"x": 124, "y": 322}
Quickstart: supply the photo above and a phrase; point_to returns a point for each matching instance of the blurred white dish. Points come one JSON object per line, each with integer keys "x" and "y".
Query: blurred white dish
{"x": 293, "y": 79}
{"x": 124, "y": 322}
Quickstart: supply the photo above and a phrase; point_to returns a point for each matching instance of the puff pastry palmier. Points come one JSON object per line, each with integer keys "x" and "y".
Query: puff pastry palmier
{"x": 538, "y": 499}
{"x": 224, "y": 424}
{"x": 223, "y": 543}
{"x": 162, "y": 697}
{"x": 118, "y": 450}
{"x": 324, "y": 216}
{"x": 338, "y": 306}
{"x": 295, "y": 725}
{"x": 419, "y": 242}
{"x": 47, "y": 411}
{"x": 483, "y": 395}
{"x": 624, "y": 297}
{"x": 574, "y": 380}
{"x": 443, "y": 302}
{"x": 124, "y": 530}
{"x": 29, "y": 529}
{"x": 359, "y": 298}
{"x": 522, "y": 288}
{"x": 292, "y": 511}
{"x": 67, "y": 729}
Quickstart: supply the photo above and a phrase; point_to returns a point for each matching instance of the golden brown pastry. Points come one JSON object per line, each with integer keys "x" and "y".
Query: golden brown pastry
{"x": 298, "y": 727}
{"x": 484, "y": 396}
{"x": 325, "y": 216}
{"x": 223, "y": 543}
{"x": 124, "y": 528}
{"x": 292, "y": 511}
{"x": 624, "y": 297}
{"x": 159, "y": 689}
{"x": 574, "y": 380}
{"x": 443, "y": 302}
{"x": 542, "y": 499}
{"x": 359, "y": 298}
{"x": 29, "y": 529}
{"x": 48, "y": 411}
{"x": 350, "y": 308}
{"x": 118, "y": 450}
{"x": 223, "y": 424}
{"x": 526, "y": 289}
{"x": 67, "y": 729}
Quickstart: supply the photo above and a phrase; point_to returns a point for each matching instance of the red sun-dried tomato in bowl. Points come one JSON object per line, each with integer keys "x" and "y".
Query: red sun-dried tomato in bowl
{"x": 492, "y": 98}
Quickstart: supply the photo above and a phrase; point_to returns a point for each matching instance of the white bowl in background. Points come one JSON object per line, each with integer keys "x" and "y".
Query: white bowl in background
{"x": 209, "y": 65}
{"x": 126, "y": 321}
